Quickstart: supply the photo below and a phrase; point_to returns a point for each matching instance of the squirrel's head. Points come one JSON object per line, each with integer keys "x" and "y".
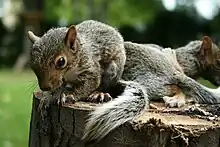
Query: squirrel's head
{"x": 209, "y": 58}
{"x": 52, "y": 55}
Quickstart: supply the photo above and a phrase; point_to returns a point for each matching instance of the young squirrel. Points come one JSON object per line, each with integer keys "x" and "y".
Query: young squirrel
{"x": 154, "y": 77}
{"x": 87, "y": 59}
{"x": 199, "y": 58}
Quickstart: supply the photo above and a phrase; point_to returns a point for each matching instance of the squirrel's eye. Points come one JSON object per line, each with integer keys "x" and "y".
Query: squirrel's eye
{"x": 61, "y": 62}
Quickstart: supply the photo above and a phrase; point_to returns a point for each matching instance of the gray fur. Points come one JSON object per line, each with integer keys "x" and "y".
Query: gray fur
{"x": 98, "y": 40}
{"x": 186, "y": 57}
{"x": 189, "y": 58}
{"x": 98, "y": 60}
{"x": 153, "y": 70}
{"x": 48, "y": 45}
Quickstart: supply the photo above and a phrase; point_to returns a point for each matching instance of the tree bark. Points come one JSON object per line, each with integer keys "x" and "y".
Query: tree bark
{"x": 63, "y": 127}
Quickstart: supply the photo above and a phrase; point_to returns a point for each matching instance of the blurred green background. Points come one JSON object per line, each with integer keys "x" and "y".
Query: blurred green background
{"x": 15, "y": 107}
{"x": 169, "y": 23}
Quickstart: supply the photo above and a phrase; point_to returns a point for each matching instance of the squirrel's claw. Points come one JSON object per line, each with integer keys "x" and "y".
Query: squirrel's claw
{"x": 66, "y": 99}
{"x": 99, "y": 97}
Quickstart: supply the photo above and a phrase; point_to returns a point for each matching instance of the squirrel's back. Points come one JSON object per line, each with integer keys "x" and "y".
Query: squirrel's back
{"x": 98, "y": 32}
{"x": 100, "y": 37}
{"x": 146, "y": 59}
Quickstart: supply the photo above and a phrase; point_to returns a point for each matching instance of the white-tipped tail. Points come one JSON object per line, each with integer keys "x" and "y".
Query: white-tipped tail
{"x": 112, "y": 114}
{"x": 197, "y": 91}
{"x": 214, "y": 92}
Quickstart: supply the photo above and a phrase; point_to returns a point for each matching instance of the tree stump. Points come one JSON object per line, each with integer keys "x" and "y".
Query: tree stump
{"x": 63, "y": 127}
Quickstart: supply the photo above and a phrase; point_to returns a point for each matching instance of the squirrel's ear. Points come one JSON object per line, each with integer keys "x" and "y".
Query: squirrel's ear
{"x": 70, "y": 37}
{"x": 32, "y": 37}
{"x": 206, "y": 49}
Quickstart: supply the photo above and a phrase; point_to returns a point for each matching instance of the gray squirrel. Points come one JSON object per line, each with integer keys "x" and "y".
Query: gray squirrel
{"x": 80, "y": 57}
{"x": 198, "y": 59}
{"x": 85, "y": 59}
{"x": 154, "y": 77}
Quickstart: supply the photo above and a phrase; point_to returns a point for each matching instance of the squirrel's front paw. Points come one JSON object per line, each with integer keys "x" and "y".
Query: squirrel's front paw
{"x": 66, "y": 99}
{"x": 97, "y": 97}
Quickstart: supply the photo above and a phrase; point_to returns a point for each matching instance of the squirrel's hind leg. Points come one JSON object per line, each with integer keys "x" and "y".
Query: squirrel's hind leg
{"x": 177, "y": 100}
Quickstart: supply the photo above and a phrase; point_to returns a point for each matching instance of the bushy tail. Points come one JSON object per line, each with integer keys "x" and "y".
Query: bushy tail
{"x": 112, "y": 114}
{"x": 197, "y": 91}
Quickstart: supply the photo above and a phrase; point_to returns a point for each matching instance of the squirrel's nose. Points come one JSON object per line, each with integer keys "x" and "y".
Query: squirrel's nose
{"x": 45, "y": 88}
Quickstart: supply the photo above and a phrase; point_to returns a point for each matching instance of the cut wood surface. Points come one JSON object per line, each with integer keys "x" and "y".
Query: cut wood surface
{"x": 193, "y": 126}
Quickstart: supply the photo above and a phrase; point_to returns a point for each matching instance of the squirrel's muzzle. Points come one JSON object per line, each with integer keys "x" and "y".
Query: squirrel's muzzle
{"x": 45, "y": 87}
{"x": 50, "y": 86}
{"x": 48, "y": 81}
{"x": 46, "y": 84}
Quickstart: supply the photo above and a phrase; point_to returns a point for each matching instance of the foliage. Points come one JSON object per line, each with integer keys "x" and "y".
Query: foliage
{"x": 118, "y": 12}
{"x": 56, "y": 9}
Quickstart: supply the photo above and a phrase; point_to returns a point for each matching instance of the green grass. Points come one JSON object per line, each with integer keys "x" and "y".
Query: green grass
{"x": 15, "y": 107}
{"x": 206, "y": 83}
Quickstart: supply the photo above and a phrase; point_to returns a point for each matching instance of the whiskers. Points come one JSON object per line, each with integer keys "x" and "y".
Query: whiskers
{"x": 30, "y": 88}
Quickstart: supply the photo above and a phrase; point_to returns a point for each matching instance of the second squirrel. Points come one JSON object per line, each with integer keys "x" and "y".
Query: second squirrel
{"x": 198, "y": 59}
